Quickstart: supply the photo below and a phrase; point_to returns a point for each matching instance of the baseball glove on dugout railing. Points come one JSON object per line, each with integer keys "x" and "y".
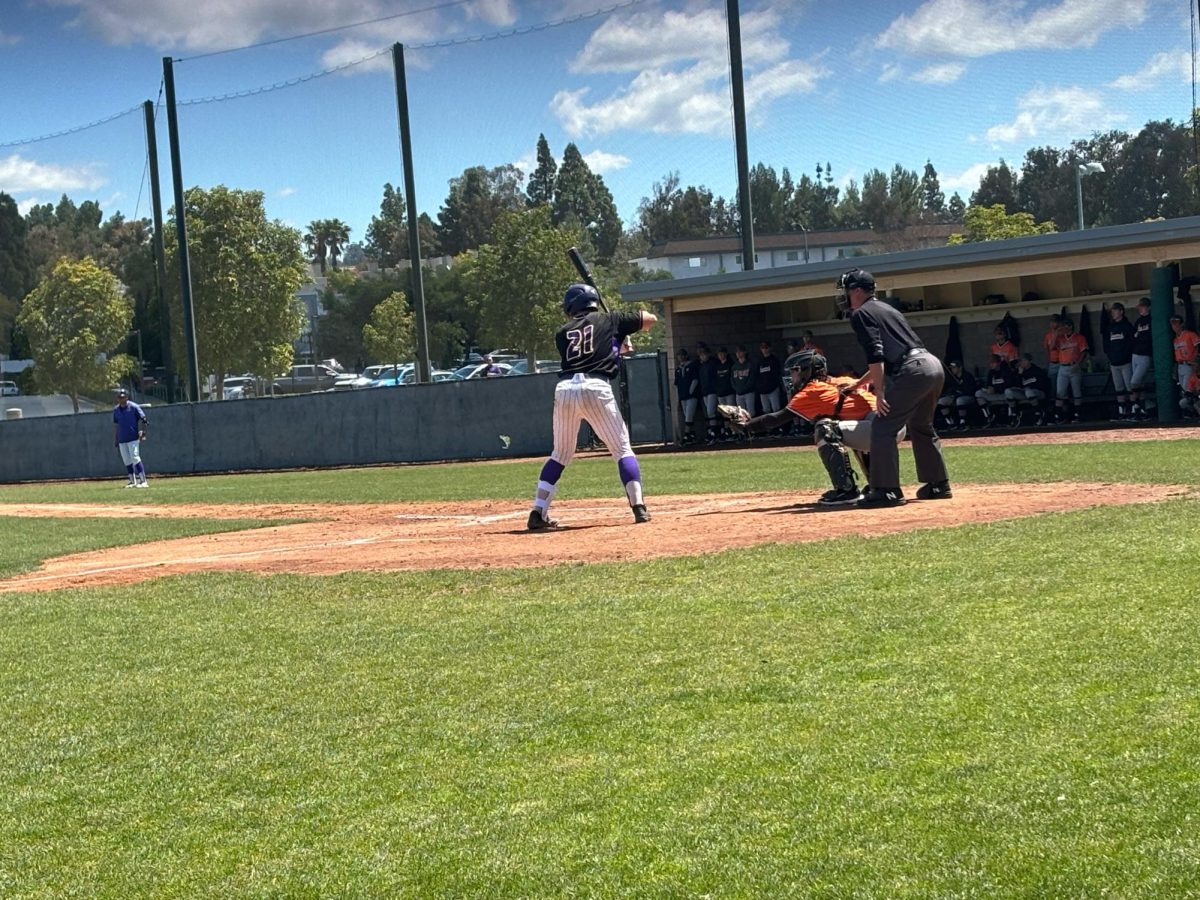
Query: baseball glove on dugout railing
{"x": 734, "y": 415}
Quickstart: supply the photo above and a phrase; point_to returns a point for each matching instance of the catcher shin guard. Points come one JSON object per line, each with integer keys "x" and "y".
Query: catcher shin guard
{"x": 833, "y": 455}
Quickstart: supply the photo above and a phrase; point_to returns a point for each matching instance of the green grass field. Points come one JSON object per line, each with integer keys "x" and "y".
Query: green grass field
{"x": 1008, "y": 710}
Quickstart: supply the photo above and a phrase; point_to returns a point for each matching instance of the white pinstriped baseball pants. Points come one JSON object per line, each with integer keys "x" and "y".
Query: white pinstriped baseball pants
{"x": 587, "y": 398}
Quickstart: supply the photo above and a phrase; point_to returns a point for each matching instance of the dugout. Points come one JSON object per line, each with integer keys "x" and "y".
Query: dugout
{"x": 975, "y": 284}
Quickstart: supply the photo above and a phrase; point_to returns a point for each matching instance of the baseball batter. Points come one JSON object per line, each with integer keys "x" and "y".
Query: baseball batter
{"x": 129, "y": 427}
{"x": 589, "y": 345}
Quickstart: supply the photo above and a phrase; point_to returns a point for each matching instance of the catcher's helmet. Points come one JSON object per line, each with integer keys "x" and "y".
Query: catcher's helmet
{"x": 579, "y": 299}
{"x": 811, "y": 365}
{"x": 855, "y": 278}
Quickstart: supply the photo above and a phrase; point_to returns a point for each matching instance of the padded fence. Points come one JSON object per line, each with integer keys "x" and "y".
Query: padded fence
{"x": 479, "y": 419}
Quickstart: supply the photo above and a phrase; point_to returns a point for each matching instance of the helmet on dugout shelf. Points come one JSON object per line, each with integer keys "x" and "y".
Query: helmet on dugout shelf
{"x": 579, "y": 299}
{"x": 811, "y": 365}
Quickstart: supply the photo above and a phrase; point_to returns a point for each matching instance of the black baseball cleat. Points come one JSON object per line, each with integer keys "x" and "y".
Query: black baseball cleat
{"x": 935, "y": 490}
{"x": 538, "y": 522}
{"x": 640, "y": 513}
{"x": 840, "y": 498}
{"x": 879, "y": 498}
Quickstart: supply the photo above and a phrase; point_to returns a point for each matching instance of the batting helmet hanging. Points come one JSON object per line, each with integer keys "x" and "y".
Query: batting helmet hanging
{"x": 811, "y": 365}
{"x": 579, "y": 299}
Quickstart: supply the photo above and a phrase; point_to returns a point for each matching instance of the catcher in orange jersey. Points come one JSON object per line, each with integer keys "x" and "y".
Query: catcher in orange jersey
{"x": 839, "y": 421}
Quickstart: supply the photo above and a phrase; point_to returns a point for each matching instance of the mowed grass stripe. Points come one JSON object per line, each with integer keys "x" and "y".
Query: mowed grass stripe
{"x": 1007, "y": 710}
{"x": 1163, "y": 462}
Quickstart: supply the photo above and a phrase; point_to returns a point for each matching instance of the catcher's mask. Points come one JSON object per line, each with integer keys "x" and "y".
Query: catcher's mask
{"x": 855, "y": 278}
{"x": 579, "y": 299}
{"x": 804, "y": 366}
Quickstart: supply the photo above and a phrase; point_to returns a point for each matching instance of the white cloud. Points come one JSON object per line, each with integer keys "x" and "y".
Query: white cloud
{"x": 681, "y": 85}
{"x": 941, "y": 73}
{"x": 285, "y": 192}
{"x": 222, "y": 24}
{"x": 1065, "y": 112}
{"x": 526, "y": 163}
{"x": 967, "y": 181}
{"x": 7, "y": 40}
{"x": 20, "y": 175}
{"x": 600, "y": 161}
{"x": 24, "y": 206}
{"x": 1173, "y": 65}
{"x": 945, "y": 73}
{"x": 975, "y": 28}
{"x": 654, "y": 39}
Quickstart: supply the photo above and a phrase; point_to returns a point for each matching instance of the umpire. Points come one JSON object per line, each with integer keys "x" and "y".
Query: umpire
{"x": 907, "y": 381}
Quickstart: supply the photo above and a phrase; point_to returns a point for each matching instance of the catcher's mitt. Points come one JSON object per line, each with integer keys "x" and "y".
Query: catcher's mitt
{"x": 734, "y": 415}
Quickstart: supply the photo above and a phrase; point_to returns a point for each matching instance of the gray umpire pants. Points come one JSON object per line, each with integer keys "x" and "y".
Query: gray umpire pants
{"x": 912, "y": 395}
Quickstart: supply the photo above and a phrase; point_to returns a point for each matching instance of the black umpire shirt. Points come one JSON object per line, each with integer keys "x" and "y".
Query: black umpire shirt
{"x": 884, "y": 333}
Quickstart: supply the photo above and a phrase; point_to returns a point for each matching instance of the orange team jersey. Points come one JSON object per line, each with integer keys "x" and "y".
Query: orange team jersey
{"x": 1071, "y": 349}
{"x": 1192, "y": 385}
{"x": 1051, "y": 343}
{"x": 1006, "y": 350}
{"x": 819, "y": 399}
{"x": 1186, "y": 343}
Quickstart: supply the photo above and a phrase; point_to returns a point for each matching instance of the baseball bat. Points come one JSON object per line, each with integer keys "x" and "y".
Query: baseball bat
{"x": 585, "y": 273}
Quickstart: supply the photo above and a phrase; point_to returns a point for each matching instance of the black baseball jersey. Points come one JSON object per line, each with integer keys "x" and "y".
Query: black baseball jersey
{"x": 999, "y": 379}
{"x": 741, "y": 376}
{"x": 708, "y": 376}
{"x": 725, "y": 378}
{"x": 591, "y": 344}
{"x": 768, "y": 374}
{"x": 883, "y": 332}
{"x": 963, "y": 386}
{"x": 1143, "y": 341}
{"x": 1036, "y": 378}
{"x": 687, "y": 380}
{"x": 1118, "y": 341}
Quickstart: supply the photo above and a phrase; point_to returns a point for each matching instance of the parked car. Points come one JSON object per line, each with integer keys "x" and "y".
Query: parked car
{"x": 390, "y": 376}
{"x": 476, "y": 370}
{"x": 239, "y": 387}
{"x": 521, "y": 366}
{"x": 9, "y": 389}
{"x": 303, "y": 379}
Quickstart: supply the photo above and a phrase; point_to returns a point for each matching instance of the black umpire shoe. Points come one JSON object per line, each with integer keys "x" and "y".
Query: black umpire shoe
{"x": 935, "y": 490}
{"x": 878, "y": 498}
{"x": 538, "y": 522}
{"x": 640, "y": 514}
{"x": 840, "y": 498}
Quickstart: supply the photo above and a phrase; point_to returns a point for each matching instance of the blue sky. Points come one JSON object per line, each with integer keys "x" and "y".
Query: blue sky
{"x": 642, "y": 90}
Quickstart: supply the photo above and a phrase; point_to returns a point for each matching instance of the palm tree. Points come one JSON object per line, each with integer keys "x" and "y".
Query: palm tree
{"x": 314, "y": 241}
{"x": 337, "y": 236}
{"x": 325, "y": 239}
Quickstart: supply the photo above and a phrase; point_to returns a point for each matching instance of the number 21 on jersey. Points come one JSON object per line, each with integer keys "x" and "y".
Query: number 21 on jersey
{"x": 580, "y": 342}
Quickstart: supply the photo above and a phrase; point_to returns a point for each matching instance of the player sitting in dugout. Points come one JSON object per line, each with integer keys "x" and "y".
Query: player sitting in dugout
{"x": 840, "y": 421}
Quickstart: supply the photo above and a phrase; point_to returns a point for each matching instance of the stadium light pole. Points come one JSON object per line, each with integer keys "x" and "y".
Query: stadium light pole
{"x": 1081, "y": 169}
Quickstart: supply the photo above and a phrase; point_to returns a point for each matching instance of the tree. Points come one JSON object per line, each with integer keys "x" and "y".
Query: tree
{"x": 582, "y": 200}
{"x": 391, "y": 335}
{"x": 16, "y": 269}
{"x": 956, "y": 210}
{"x": 766, "y": 199}
{"x": 74, "y": 319}
{"x": 245, "y": 274}
{"x": 992, "y": 223}
{"x": 874, "y": 204}
{"x": 933, "y": 201}
{"x": 672, "y": 213}
{"x": 476, "y": 199}
{"x": 998, "y": 185}
{"x": 849, "y": 211}
{"x": 541, "y": 182}
{"x": 519, "y": 280}
{"x": 325, "y": 239}
{"x": 387, "y": 235}
{"x": 1147, "y": 178}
